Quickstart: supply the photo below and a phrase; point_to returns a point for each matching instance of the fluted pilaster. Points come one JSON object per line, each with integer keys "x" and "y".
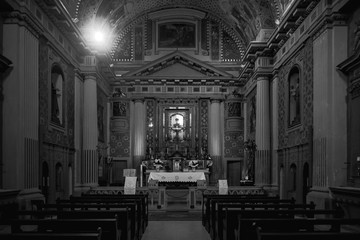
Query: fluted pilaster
{"x": 262, "y": 137}
{"x": 214, "y": 140}
{"x": 90, "y": 132}
{"x": 20, "y": 109}
{"x": 139, "y": 132}
{"x": 274, "y": 129}
{"x": 79, "y": 106}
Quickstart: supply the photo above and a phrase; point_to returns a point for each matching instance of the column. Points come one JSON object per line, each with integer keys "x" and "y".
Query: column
{"x": 215, "y": 140}
{"x": 262, "y": 135}
{"x": 244, "y": 164}
{"x": 89, "y": 173}
{"x": 21, "y": 108}
{"x": 274, "y": 131}
{"x": 78, "y": 133}
{"x": 139, "y": 134}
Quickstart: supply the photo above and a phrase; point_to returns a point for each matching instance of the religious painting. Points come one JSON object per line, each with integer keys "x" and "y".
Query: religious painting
{"x": 100, "y": 123}
{"x": 294, "y": 97}
{"x": 119, "y": 109}
{"x": 176, "y": 35}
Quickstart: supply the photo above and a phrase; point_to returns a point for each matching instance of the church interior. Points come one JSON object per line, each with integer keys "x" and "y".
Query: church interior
{"x": 180, "y": 96}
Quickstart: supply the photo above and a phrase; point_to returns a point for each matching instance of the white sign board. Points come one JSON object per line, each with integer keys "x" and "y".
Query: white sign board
{"x": 223, "y": 187}
{"x": 130, "y": 185}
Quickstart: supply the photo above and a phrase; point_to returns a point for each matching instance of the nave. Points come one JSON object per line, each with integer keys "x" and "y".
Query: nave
{"x": 177, "y": 95}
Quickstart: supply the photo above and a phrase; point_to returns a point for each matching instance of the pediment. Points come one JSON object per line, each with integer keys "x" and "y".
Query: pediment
{"x": 177, "y": 64}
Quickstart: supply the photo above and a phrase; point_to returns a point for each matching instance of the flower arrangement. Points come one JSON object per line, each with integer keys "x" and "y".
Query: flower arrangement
{"x": 194, "y": 163}
{"x": 158, "y": 163}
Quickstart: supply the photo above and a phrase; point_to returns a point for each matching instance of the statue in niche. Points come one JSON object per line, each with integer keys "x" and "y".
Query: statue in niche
{"x": 177, "y": 128}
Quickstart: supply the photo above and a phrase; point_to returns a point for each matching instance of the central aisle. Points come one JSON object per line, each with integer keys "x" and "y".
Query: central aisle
{"x": 175, "y": 230}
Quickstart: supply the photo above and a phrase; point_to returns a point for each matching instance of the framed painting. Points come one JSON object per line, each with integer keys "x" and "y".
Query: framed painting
{"x": 179, "y": 34}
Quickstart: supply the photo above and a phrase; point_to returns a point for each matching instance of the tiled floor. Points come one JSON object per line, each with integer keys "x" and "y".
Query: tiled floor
{"x": 175, "y": 230}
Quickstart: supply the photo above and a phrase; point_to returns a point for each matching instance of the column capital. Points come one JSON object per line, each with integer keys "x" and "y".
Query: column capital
{"x": 262, "y": 78}
{"x": 139, "y": 100}
{"x": 78, "y": 74}
{"x": 90, "y": 76}
{"x": 23, "y": 19}
{"x": 215, "y": 100}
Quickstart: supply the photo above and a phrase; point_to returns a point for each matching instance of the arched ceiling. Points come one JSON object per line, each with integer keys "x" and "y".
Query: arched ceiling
{"x": 244, "y": 18}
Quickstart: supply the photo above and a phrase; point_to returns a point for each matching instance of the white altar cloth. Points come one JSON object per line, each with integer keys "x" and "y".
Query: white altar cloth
{"x": 177, "y": 176}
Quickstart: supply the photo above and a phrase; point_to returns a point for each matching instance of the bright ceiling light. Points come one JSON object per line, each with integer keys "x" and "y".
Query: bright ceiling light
{"x": 99, "y": 36}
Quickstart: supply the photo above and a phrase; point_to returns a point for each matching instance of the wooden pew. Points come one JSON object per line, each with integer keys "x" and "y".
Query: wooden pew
{"x": 211, "y": 205}
{"x": 207, "y": 199}
{"x": 247, "y": 228}
{"x": 52, "y": 236}
{"x": 126, "y": 218}
{"x": 111, "y": 228}
{"x": 218, "y": 213}
{"x": 306, "y": 235}
{"x": 138, "y": 221}
{"x": 228, "y": 222}
{"x": 141, "y": 201}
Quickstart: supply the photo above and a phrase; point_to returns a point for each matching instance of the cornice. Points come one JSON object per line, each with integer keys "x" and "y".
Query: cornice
{"x": 328, "y": 21}
{"x": 24, "y": 18}
{"x": 61, "y": 19}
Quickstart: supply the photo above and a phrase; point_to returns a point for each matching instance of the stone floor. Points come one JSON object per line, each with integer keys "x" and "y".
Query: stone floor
{"x": 175, "y": 230}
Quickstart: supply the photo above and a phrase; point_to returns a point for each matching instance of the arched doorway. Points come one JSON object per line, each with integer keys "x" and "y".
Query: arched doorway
{"x": 305, "y": 182}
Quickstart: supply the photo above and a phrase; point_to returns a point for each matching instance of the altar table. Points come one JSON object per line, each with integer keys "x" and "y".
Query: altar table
{"x": 177, "y": 176}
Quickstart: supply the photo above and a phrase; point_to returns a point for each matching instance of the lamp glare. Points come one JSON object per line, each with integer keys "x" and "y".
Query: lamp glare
{"x": 99, "y": 36}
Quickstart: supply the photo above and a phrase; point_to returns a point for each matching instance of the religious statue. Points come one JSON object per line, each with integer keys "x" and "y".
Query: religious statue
{"x": 177, "y": 128}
